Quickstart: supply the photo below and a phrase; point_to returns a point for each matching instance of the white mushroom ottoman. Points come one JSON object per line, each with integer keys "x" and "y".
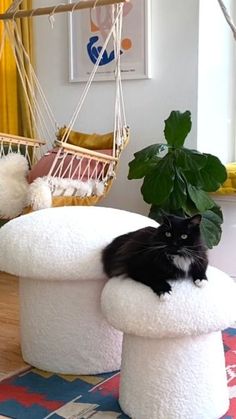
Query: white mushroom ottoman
{"x": 57, "y": 255}
{"x": 173, "y": 363}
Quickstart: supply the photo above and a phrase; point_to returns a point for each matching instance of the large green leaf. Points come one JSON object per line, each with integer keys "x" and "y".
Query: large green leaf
{"x": 190, "y": 160}
{"x": 211, "y": 226}
{"x": 189, "y": 207}
{"x": 177, "y": 127}
{"x": 156, "y": 213}
{"x": 200, "y": 198}
{"x": 213, "y": 174}
{"x": 145, "y": 160}
{"x": 193, "y": 178}
{"x": 159, "y": 183}
{"x": 178, "y": 196}
{"x": 210, "y": 177}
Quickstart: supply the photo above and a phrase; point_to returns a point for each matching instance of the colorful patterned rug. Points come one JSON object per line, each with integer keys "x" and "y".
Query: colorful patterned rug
{"x": 36, "y": 394}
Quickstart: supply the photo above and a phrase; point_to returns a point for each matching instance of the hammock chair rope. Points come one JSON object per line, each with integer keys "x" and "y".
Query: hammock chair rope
{"x": 29, "y": 147}
{"x": 25, "y": 81}
{"x": 11, "y": 30}
{"x": 14, "y": 6}
{"x": 20, "y": 55}
{"x": 14, "y": 144}
{"x": 227, "y": 17}
{"x": 119, "y": 105}
{"x": 117, "y": 39}
{"x": 81, "y": 174}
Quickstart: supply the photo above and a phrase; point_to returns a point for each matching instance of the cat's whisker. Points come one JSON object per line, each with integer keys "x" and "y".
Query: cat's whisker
{"x": 187, "y": 249}
{"x": 197, "y": 259}
{"x": 158, "y": 247}
{"x": 195, "y": 247}
{"x": 194, "y": 256}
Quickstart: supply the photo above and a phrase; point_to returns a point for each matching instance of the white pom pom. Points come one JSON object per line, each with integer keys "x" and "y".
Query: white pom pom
{"x": 84, "y": 189}
{"x": 13, "y": 185}
{"x": 57, "y": 186}
{"x": 40, "y": 196}
{"x": 98, "y": 188}
{"x": 14, "y": 164}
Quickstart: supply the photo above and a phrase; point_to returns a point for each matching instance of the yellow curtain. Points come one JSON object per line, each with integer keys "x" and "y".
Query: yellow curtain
{"x": 15, "y": 117}
{"x": 8, "y": 84}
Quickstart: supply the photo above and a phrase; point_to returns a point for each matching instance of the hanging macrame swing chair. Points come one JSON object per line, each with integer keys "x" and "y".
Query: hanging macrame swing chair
{"x": 75, "y": 168}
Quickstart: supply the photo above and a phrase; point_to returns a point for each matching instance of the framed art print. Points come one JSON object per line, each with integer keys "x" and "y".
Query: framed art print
{"x": 88, "y": 30}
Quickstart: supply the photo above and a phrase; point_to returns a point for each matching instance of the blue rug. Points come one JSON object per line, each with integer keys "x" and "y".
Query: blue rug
{"x": 36, "y": 394}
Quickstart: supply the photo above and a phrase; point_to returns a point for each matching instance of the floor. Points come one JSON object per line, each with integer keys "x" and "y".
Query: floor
{"x": 10, "y": 353}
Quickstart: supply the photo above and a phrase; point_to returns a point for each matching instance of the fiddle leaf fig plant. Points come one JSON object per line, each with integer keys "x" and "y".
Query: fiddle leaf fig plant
{"x": 177, "y": 180}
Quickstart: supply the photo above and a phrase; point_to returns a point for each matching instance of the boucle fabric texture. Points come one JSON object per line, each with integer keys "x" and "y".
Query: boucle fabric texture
{"x": 172, "y": 356}
{"x": 63, "y": 329}
{"x": 13, "y": 185}
{"x": 134, "y": 308}
{"x": 63, "y": 243}
{"x": 173, "y": 378}
{"x": 57, "y": 254}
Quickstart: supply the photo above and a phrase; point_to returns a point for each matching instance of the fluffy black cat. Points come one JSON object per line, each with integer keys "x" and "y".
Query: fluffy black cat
{"x": 153, "y": 255}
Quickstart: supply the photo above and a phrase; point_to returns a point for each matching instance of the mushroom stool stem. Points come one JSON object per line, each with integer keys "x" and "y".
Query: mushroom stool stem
{"x": 186, "y": 374}
{"x": 62, "y": 327}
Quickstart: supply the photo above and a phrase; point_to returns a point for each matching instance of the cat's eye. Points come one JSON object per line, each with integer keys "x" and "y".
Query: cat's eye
{"x": 168, "y": 234}
{"x": 184, "y": 236}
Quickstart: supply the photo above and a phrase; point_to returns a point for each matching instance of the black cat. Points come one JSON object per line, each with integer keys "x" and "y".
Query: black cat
{"x": 153, "y": 255}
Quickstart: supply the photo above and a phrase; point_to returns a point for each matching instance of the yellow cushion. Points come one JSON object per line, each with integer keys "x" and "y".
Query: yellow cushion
{"x": 229, "y": 186}
{"x": 90, "y": 141}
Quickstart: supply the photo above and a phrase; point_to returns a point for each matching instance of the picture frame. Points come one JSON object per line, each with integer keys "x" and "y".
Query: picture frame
{"x": 91, "y": 26}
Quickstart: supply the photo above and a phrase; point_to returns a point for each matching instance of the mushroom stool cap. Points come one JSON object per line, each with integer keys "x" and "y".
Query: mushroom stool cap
{"x": 63, "y": 243}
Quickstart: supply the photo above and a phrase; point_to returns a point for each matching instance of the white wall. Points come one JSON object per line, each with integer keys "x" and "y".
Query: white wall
{"x": 148, "y": 102}
{"x": 216, "y": 81}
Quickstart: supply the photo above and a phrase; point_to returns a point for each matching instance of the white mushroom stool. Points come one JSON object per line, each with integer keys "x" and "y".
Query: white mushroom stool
{"x": 173, "y": 363}
{"x": 56, "y": 253}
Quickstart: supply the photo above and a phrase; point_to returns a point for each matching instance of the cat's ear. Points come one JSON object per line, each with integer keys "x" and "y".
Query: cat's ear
{"x": 166, "y": 219}
{"x": 196, "y": 219}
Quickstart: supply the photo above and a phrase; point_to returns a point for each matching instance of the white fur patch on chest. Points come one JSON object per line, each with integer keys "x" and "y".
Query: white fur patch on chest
{"x": 182, "y": 263}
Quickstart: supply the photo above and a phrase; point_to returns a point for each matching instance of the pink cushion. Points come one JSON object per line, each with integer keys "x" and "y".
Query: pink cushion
{"x": 43, "y": 166}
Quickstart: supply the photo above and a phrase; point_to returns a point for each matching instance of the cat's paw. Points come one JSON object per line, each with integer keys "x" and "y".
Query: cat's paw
{"x": 166, "y": 296}
{"x": 164, "y": 291}
{"x": 200, "y": 283}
